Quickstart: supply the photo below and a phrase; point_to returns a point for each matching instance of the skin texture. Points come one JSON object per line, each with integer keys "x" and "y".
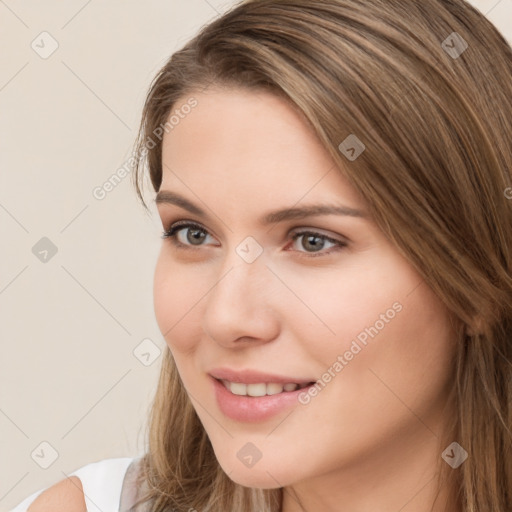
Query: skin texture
{"x": 368, "y": 440}
{"x": 65, "y": 496}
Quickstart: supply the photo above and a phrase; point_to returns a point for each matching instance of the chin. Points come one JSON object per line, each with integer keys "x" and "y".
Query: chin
{"x": 264, "y": 474}
{"x": 256, "y": 479}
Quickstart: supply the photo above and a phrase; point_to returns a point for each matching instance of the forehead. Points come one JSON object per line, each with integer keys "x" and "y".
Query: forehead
{"x": 240, "y": 124}
{"x": 245, "y": 145}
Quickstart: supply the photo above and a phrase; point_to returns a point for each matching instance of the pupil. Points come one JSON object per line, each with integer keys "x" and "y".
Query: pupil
{"x": 194, "y": 238}
{"x": 313, "y": 245}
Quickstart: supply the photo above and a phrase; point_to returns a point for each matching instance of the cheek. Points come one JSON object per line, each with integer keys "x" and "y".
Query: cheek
{"x": 396, "y": 345}
{"x": 177, "y": 303}
{"x": 409, "y": 358}
{"x": 421, "y": 341}
{"x": 345, "y": 303}
{"x": 378, "y": 316}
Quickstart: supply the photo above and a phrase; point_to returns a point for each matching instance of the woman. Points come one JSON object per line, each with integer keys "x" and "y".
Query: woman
{"x": 334, "y": 283}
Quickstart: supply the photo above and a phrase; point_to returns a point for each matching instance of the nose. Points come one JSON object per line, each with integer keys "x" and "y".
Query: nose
{"x": 242, "y": 306}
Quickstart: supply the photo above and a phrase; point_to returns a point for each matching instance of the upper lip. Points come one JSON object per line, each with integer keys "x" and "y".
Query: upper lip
{"x": 249, "y": 376}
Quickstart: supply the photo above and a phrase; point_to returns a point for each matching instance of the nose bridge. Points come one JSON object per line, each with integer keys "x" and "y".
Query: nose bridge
{"x": 243, "y": 273}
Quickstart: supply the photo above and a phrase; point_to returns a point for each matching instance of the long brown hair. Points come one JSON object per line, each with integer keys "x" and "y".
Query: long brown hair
{"x": 426, "y": 86}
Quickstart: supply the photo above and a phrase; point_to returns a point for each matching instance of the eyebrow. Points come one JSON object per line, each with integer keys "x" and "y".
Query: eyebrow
{"x": 168, "y": 197}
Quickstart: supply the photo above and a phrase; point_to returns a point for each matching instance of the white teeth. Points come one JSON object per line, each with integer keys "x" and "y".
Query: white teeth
{"x": 256, "y": 389}
{"x": 237, "y": 388}
{"x": 274, "y": 388}
{"x": 260, "y": 389}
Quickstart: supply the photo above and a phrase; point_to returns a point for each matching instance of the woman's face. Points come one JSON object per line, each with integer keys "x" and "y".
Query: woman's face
{"x": 340, "y": 306}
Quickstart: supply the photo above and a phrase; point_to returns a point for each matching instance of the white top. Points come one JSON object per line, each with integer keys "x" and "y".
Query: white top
{"x": 102, "y": 483}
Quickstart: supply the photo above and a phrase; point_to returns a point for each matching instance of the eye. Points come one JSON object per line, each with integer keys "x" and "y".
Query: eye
{"x": 315, "y": 240}
{"x": 197, "y": 234}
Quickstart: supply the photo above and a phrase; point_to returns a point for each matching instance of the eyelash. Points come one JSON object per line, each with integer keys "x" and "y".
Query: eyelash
{"x": 171, "y": 234}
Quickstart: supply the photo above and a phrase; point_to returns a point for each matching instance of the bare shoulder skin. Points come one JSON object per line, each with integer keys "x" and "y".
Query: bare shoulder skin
{"x": 65, "y": 496}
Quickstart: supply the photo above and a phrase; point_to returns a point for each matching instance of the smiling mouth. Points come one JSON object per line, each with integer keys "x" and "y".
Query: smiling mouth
{"x": 261, "y": 389}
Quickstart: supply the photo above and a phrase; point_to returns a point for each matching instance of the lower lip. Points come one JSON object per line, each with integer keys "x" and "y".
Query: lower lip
{"x": 253, "y": 408}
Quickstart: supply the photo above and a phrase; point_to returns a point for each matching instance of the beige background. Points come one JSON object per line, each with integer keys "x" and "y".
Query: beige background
{"x": 70, "y": 325}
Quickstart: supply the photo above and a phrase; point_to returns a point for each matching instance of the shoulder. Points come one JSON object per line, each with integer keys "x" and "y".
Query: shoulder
{"x": 97, "y": 484}
{"x": 64, "y": 496}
